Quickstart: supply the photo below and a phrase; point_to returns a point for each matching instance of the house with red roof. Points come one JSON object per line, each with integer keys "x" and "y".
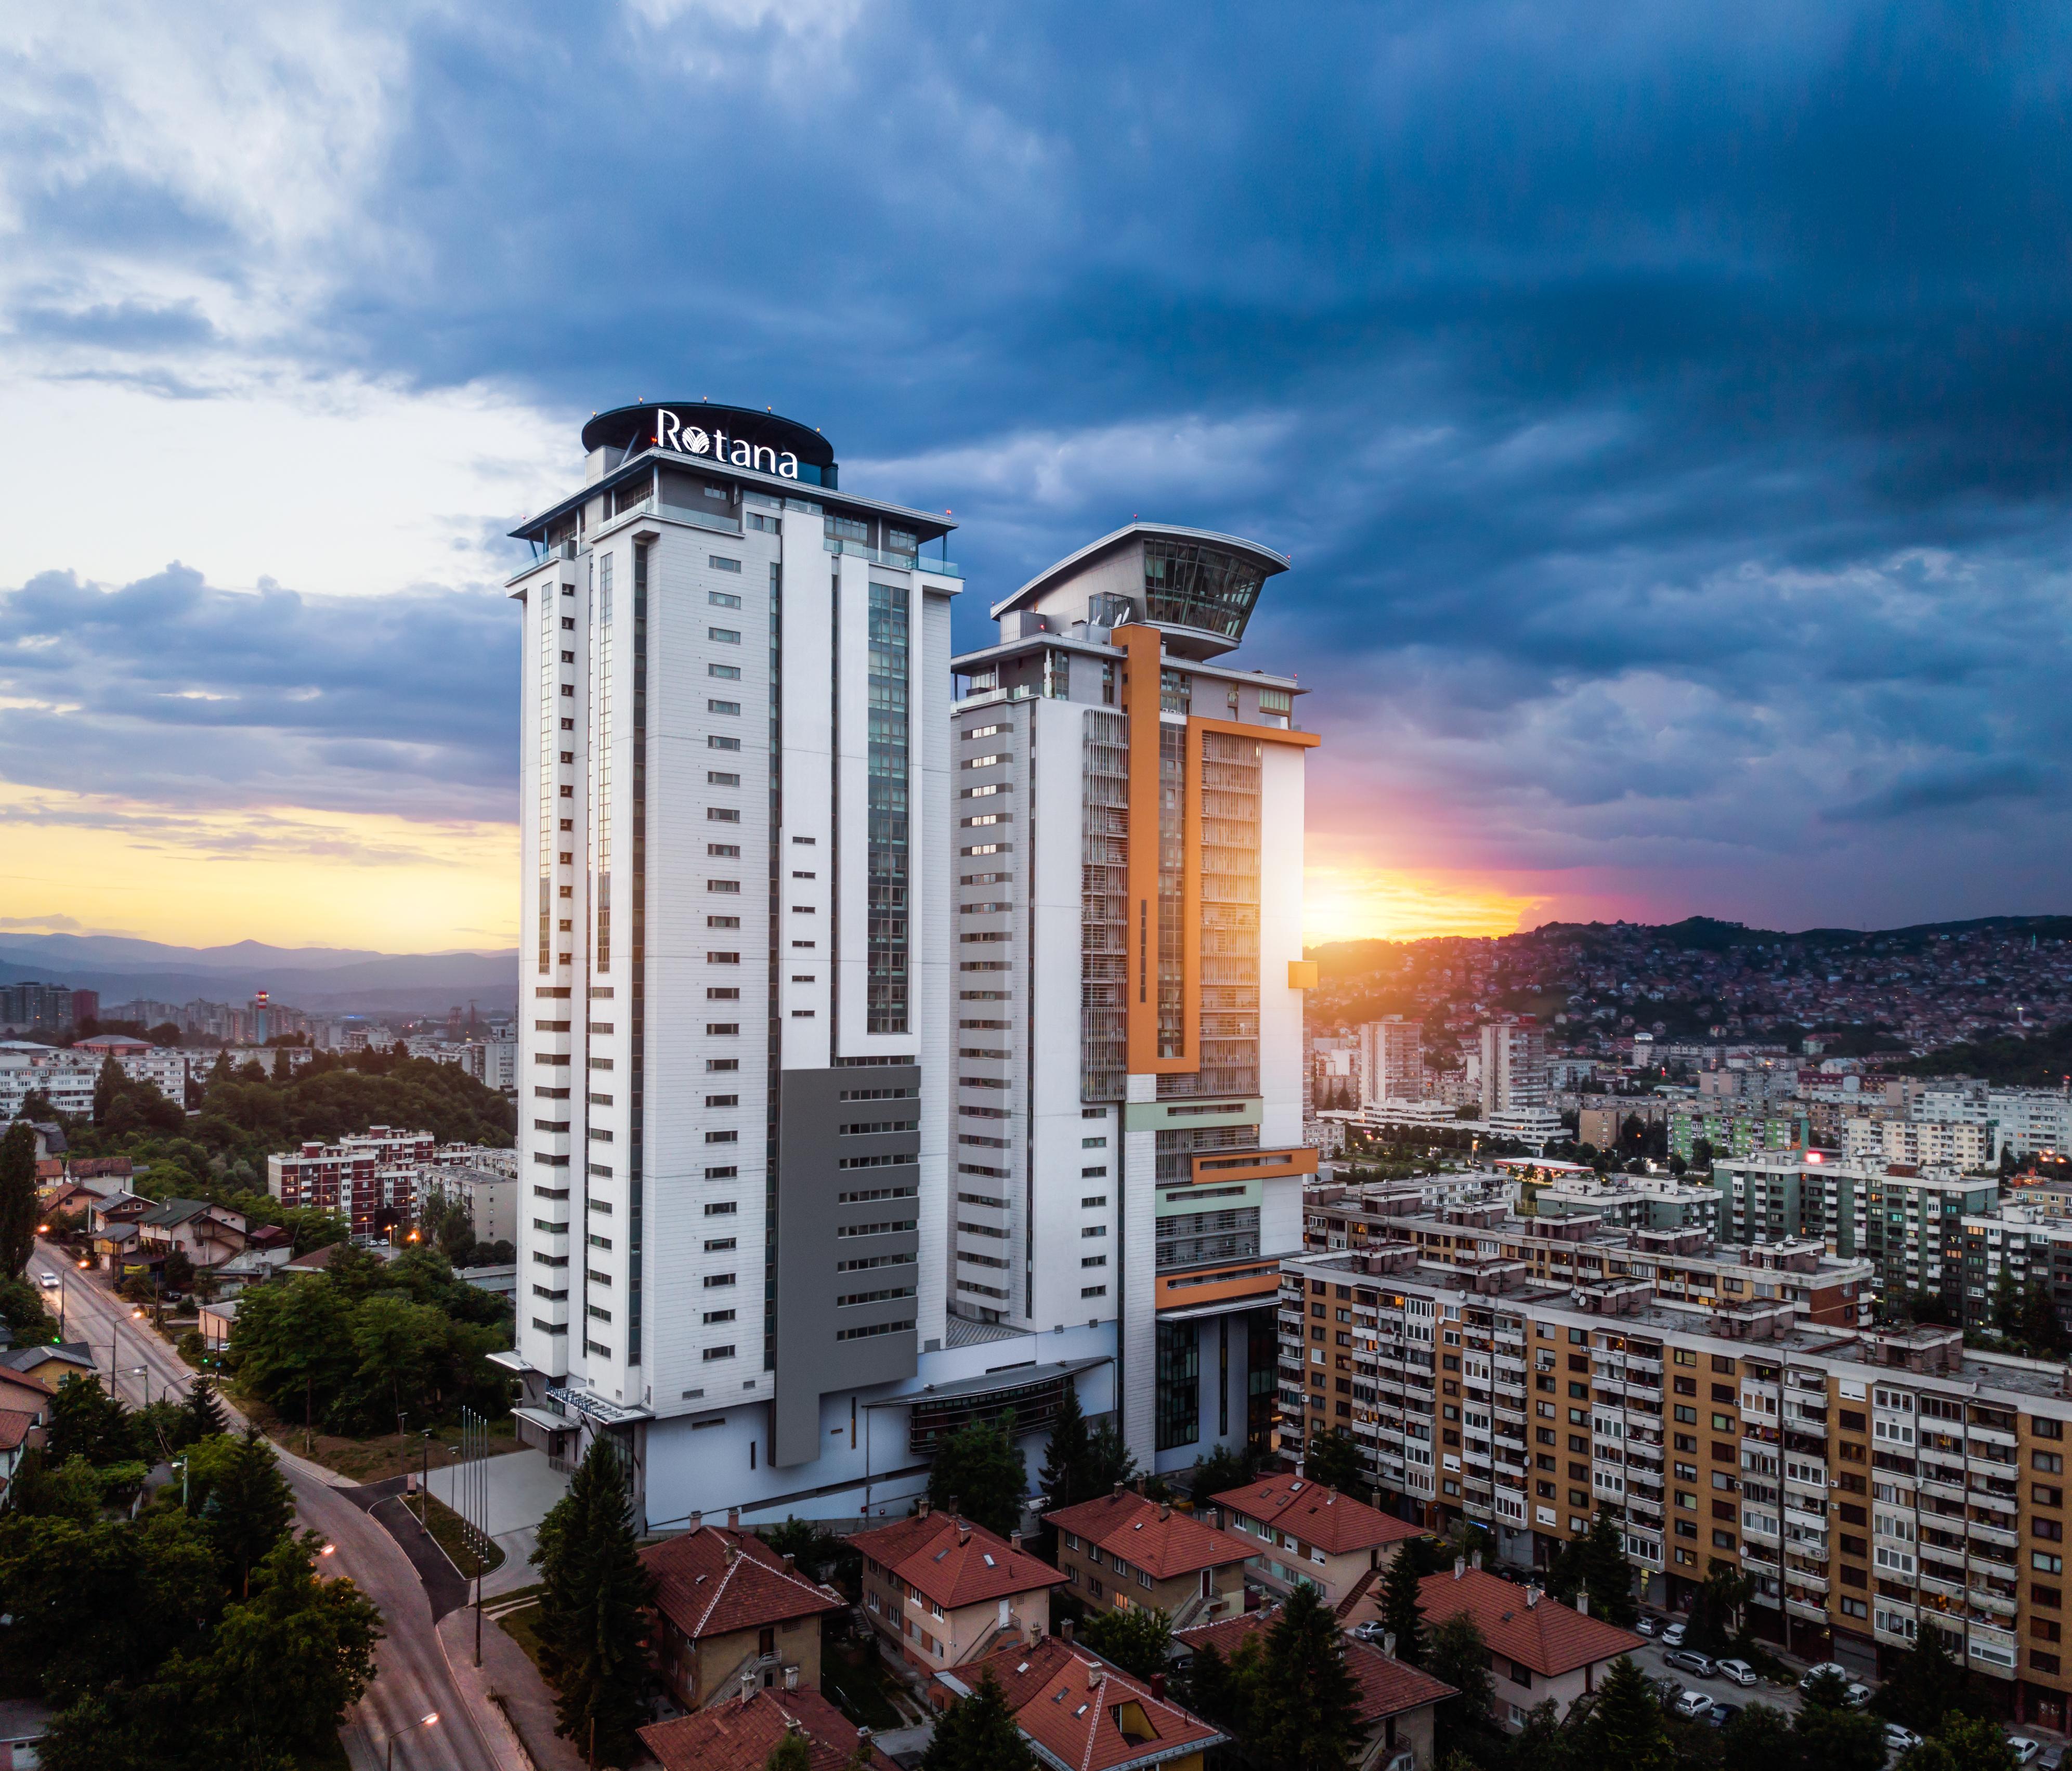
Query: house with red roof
{"x": 1123, "y": 1551}
{"x": 1538, "y": 1648}
{"x": 1079, "y": 1712}
{"x": 731, "y": 1614}
{"x": 740, "y": 1732}
{"x": 1396, "y": 1702}
{"x": 24, "y": 1420}
{"x": 944, "y": 1591}
{"x": 1314, "y": 1536}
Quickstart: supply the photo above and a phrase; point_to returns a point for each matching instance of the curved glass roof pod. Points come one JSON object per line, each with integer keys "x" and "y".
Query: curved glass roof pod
{"x": 1190, "y": 584}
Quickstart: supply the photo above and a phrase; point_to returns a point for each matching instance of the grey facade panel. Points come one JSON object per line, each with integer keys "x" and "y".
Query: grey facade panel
{"x": 811, "y": 1216}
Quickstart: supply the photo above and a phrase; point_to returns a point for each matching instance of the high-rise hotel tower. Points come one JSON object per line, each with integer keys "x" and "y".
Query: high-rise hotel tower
{"x": 889, "y": 1064}
{"x": 1126, "y": 1138}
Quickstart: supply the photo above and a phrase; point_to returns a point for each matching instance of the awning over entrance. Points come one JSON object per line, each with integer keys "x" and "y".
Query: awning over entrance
{"x": 1035, "y": 1392}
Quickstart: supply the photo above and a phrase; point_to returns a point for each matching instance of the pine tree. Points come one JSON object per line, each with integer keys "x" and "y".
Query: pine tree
{"x": 1335, "y": 1460}
{"x": 791, "y": 1753}
{"x": 1306, "y": 1714}
{"x": 1457, "y": 1655}
{"x": 1607, "y": 1575}
{"x": 1626, "y": 1724}
{"x": 17, "y": 1198}
{"x": 1925, "y": 1686}
{"x": 249, "y": 1508}
{"x": 1065, "y": 1456}
{"x": 1402, "y": 1613}
{"x": 978, "y": 1734}
{"x": 202, "y": 1417}
{"x": 593, "y": 1630}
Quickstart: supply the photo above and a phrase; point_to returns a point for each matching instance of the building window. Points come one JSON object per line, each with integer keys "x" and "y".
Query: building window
{"x": 1179, "y": 1382}
{"x": 886, "y": 844}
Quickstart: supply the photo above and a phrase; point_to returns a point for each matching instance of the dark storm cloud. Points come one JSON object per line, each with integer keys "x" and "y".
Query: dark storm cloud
{"x": 1665, "y": 406}
{"x": 196, "y": 699}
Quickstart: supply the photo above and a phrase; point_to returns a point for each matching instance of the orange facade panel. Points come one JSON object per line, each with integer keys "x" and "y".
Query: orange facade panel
{"x": 1253, "y": 1164}
{"x": 1219, "y": 1285}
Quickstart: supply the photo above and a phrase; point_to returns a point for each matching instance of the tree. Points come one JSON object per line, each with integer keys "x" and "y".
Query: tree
{"x": 1067, "y": 1474}
{"x": 1962, "y": 1743}
{"x": 1108, "y": 1460}
{"x": 979, "y": 1471}
{"x": 1224, "y": 1468}
{"x": 1223, "y": 1691}
{"x": 978, "y": 1733}
{"x": 87, "y": 1422}
{"x": 1456, "y": 1654}
{"x": 791, "y": 1753}
{"x": 1402, "y": 1611}
{"x": 1715, "y": 1624}
{"x": 1835, "y": 1737}
{"x": 244, "y": 1504}
{"x": 1603, "y": 1571}
{"x": 1925, "y": 1686}
{"x": 595, "y": 1590}
{"x": 1136, "y": 1640}
{"x": 1625, "y": 1727}
{"x": 1334, "y": 1460}
{"x": 22, "y": 1311}
{"x": 1306, "y": 1717}
{"x": 202, "y": 1416}
{"x": 1759, "y": 1739}
{"x": 288, "y": 1661}
{"x": 17, "y": 1198}
{"x": 817, "y": 1553}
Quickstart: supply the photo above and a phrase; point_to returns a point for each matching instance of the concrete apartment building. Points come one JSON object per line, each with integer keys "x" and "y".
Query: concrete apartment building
{"x": 1871, "y": 1483}
{"x": 1389, "y": 1060}
{"x": 1123, "y": 1552}
{"x": 942, "y": 1590}
{"x": 371, "y": 1181}
{"x": 1942, "y": 1144}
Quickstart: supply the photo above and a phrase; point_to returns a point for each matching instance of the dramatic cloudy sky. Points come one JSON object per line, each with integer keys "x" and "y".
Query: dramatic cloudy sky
{"x": 1665, "y": 407}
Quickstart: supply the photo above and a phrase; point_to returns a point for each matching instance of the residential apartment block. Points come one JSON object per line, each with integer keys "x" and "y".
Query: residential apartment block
{"x": 371, "y": 1181}
{"x": 1871, "y": 1483}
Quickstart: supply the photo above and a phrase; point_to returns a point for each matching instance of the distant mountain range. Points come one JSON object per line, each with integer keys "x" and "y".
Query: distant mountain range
{"x": 326, "y": 980}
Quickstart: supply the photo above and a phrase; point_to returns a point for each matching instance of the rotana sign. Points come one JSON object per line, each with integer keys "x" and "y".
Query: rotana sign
{"x": 671, "y": 433}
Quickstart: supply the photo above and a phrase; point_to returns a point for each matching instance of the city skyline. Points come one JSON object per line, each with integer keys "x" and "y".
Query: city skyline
{"x": 1676, "y": 506}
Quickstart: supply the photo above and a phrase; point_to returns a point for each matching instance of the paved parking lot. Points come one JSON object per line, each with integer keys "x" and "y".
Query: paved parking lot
{"x": 1783, "y": 1697}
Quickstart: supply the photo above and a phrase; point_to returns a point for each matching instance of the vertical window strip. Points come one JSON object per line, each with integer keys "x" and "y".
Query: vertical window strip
{"x": 887, "y": 866}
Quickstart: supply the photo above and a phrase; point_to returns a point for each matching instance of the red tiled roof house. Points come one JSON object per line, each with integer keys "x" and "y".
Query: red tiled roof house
{"x": 1396, "y": 1702}
{"x": 943, "y": 1590}
{"x": 1079, "y": 1712}
{"x": 1123, "y": 1551}
{"x": 1538, "y": 1648}
{"x": 739, "y": 1733}
{"x": 1315, "y": 1535}
{"x": 730, "y": 1610}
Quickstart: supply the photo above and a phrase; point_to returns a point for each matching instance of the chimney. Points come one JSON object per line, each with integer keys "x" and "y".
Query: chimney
{"x": 697, "y": 1519}
{"x": 1531, "y": 1598}
{"x": 1065, "y": 1629}
{"x": 1015, "y": 1540}
{"x": 747, "y": 1687}
{"x": 1460, "y": 1566}
{"x": 1479, "y": 1562}
{"x": 963, "y": 1533}
{"x": 1582, "y": 1605}
{"x": 950, "y": 1505}
{"x": 790, "y": 1560}
{"x": 1119, "y": 1487}
{"x": 1140, "y": 1484}
{"x": 733, "y": 1519}
{"x": 921, "y": 1512}
{"x": 1298, "y": 1466}
{"x": 732, "y": 1552}
{"x": 1165, "y": 1509}
{"x": 1388, "y": 1645}
{"x": 1158, "y": 1686}
{"x": 791, "y": 1677}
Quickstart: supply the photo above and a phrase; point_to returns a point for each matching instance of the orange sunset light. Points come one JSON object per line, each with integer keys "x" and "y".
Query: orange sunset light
{"x": 1352, "y": 900}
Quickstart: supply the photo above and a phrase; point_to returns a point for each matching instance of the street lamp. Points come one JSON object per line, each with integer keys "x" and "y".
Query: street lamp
{"x": 422, "y": 1721}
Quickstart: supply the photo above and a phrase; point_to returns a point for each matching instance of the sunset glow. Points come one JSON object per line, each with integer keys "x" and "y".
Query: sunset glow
{"x": 1348, "y": 900}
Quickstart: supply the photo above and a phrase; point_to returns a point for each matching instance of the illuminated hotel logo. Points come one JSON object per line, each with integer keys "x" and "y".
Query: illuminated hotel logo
{"x": 671, "y": 433}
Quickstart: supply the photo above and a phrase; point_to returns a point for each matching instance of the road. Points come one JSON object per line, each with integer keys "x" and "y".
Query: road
{"x": 412, "y": 1679}
{"x": 1780, "y": 1697}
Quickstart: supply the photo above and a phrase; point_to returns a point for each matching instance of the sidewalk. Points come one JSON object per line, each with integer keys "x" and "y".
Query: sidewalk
{"x": 528, "y": 1705}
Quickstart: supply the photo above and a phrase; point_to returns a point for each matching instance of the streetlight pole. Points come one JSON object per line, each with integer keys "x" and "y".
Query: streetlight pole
{"x": 422, "y": 1721}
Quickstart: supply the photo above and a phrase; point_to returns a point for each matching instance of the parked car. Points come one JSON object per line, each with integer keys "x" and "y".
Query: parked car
{"x": 1720, "y": 1714}
{"x": 1738, "y": 1671}
{"x": 1692, "y": 1704}
{"x": 1857, "y": 1695}
{"x": 1900, "y": 1740}
{"x": 2053, "y": 1758}
{"x": 2025, "y": 1748}
{"x": 1813, "y": 1673}
{"x": 1673, "y": 1635}
{"x": 1369, "y": 1632}
{"x": 1689, "y": 1660}
{"x": 1646, "y": 1625}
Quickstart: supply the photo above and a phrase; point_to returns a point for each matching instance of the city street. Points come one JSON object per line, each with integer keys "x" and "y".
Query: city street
{"x": 413, "y": 1679}
{"x": 1781, "y": 1697}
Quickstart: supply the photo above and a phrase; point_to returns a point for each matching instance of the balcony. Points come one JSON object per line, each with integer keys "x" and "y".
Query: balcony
{"x": 1816, "y": 1523}
{"x": 1807, "y": 1610}
{"x": 1800, "y": 1580}
{"x": 1948, "y": 1491}
{"x": 1763, "y": 1555}
{"x": 1641, "y": 1506}
{"x": 1980, "y": 1533}
{"x": 903, "y": 562}
{"x": 1997, "y": 1604}
{"x": 1941, "y": 1588}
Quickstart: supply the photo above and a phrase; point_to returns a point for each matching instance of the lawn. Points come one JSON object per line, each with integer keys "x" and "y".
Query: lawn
{"x": 518, "y": 1625}
{"x": 455, "y": 1538}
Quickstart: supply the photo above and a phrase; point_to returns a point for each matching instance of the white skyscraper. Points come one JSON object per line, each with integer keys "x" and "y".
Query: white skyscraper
{"x": 1127, "y": 844}
{"x": 733, "y": 1089}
